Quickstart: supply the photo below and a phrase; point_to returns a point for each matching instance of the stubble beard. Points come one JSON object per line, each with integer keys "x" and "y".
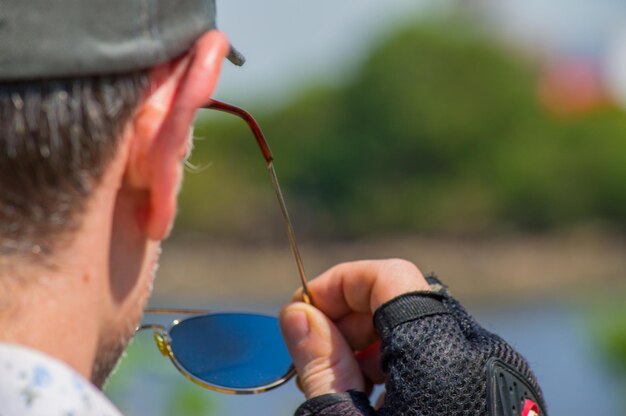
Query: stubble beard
{"x": 109, "y": 354}
{"x": 111, "y": 349}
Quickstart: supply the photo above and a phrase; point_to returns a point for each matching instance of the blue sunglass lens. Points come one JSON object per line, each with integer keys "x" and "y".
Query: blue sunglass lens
{"x": 231, "y": 350}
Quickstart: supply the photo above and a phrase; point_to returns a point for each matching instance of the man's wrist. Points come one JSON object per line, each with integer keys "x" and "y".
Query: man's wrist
{"x": 350, "y": 403}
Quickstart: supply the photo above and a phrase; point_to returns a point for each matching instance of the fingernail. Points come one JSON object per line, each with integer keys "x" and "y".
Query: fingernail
{"x": 296, "y": 326}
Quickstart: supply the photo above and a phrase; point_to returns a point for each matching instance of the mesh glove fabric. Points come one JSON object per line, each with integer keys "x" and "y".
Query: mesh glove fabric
{"x": 438, "y": 361}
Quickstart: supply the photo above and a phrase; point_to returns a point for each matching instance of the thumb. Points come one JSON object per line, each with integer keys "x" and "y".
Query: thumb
{"x": 324, "y": 360}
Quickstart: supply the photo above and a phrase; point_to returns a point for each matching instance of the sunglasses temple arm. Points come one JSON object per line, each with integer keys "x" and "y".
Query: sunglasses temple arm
{"x": 306, "y": 294}
{"x": 168, "y": 311}
{"x": 247, "y": 117}
{"x": 269, "y": 158}
{"x": 153, "y": 327}
{"x": 176, "y": 311}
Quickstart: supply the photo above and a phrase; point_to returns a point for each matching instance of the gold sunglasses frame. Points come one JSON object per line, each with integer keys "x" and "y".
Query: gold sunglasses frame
{"x": 162, "y": 340}
{"x": 161, "y": 333}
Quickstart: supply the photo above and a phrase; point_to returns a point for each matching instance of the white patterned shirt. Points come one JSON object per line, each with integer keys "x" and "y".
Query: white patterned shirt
{"x": 34, "y": 384}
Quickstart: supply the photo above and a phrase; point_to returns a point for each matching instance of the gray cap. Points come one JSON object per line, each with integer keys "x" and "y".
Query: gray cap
{"x": 62, "y": 38}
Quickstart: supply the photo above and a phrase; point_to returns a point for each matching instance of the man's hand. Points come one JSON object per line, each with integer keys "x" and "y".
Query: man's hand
{"x": 433, "y": 357}
{"x": 334, "y": 344}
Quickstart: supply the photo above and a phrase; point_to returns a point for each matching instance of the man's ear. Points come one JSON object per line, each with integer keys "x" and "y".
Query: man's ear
{"x": 162, "y": 129}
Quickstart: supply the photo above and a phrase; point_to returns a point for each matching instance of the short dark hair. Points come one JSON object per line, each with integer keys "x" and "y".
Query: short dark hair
{"x": 56, "y": 139}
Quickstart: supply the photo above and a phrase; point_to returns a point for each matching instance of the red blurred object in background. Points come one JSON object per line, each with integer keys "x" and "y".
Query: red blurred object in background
{"x": 572, "y": 86}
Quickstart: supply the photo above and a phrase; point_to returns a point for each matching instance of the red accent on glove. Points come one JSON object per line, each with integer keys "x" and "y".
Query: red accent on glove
{"x": 530, "y": 408}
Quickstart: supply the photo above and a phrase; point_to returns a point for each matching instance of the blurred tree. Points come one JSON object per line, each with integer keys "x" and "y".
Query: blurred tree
{"x": 439, "y": 131}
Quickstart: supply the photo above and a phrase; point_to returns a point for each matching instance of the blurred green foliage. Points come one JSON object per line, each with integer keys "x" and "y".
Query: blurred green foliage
{"x": 189, "y": 401}
{"x": 610, "y": 331}
{"x": 439, "y": 130}
{"x": 609, "y": 334}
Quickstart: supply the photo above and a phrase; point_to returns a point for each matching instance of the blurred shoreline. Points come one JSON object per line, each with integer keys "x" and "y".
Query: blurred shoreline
{"x": 490, "y": 271}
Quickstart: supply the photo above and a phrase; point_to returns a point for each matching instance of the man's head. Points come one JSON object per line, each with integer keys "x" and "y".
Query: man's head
{"x": 57, "y": 138}
{"x": 90, "y": 168}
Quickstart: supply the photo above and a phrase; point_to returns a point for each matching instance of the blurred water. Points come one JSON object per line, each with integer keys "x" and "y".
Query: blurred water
{"x": 554, "y": 338}
{"x": 556, "y": 341}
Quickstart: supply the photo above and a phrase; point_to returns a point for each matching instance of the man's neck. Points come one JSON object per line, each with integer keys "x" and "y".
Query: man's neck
{"x": 64, "y": 308}
{"x": 52, "y": 310}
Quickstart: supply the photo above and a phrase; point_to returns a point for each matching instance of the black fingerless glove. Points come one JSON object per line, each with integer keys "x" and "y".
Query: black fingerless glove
{"x": 438, "y": 362}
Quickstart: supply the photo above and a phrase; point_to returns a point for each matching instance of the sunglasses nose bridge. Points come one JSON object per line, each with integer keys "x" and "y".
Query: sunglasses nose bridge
{"x": 162, "y": 343}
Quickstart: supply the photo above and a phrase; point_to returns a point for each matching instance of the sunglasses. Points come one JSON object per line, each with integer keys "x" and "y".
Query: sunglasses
{"x": 236, "y": 353}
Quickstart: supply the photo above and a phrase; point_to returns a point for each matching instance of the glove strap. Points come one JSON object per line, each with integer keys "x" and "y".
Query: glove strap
{"x": 406, "y": 308}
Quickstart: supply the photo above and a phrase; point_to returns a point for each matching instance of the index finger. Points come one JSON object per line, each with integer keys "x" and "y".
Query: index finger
{"x": 363, "y": 286}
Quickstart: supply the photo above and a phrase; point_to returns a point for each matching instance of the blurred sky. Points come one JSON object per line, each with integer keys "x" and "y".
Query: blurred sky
{"x": 288, "y": 43}
{"x": 563, "y": 26}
